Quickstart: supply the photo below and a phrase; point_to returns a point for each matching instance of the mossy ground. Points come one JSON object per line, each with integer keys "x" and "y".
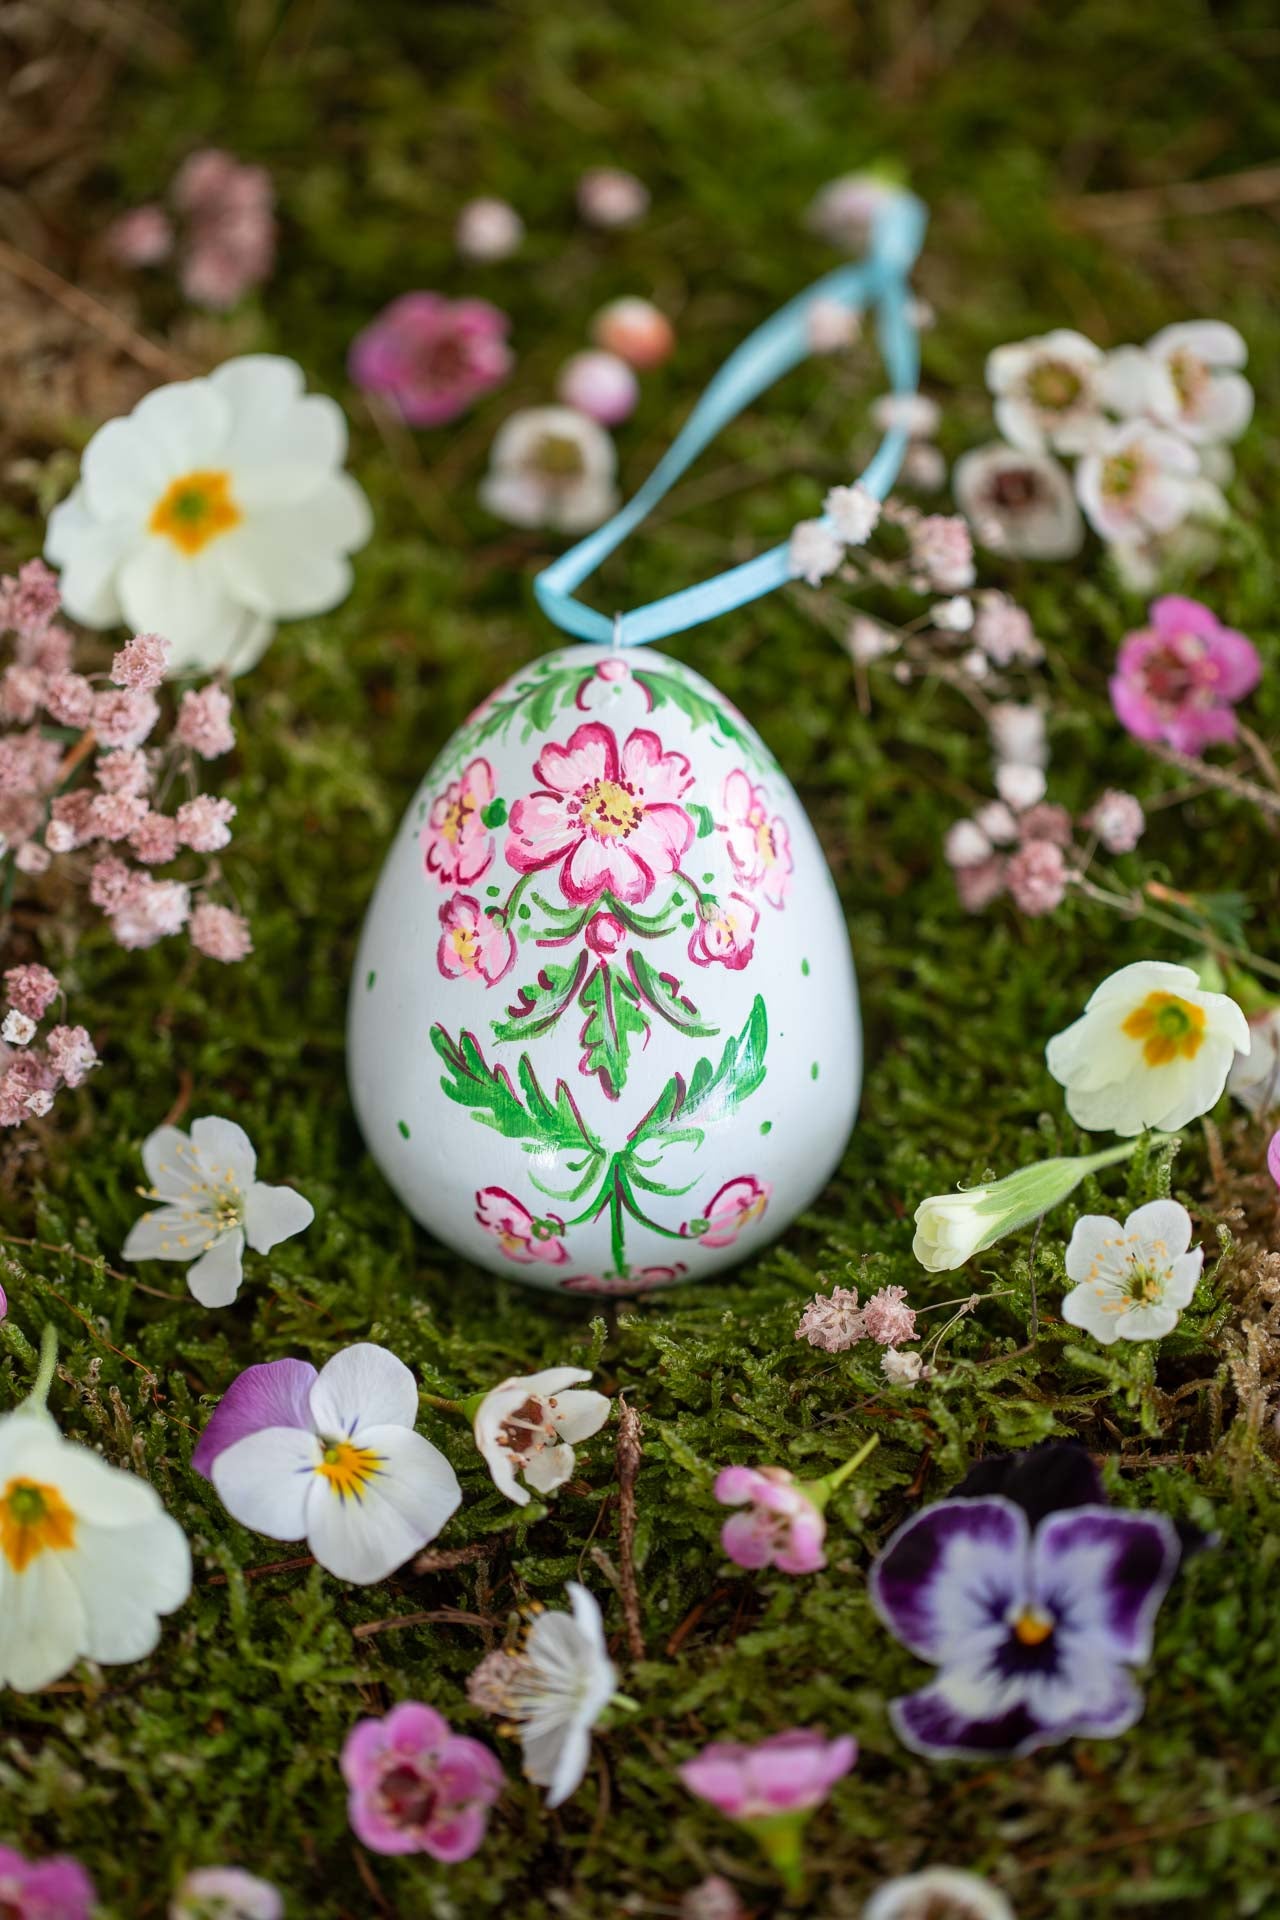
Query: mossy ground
{"x": 376, "y": 123}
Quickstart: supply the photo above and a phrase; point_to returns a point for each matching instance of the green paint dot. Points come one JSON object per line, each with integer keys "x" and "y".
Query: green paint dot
{"x": 493, "y": 892}
{"x": 526, "y": 913}
{"x": 677, "y": 899}
{"x": 813, "y": 1071}
{"x": 804, "y": 968}
{"x": 708, "y": 879}
{"x": 403, "y": 1127}
{"x": 369, "y": 980}
{"x": 766, "y": 1126}
{"x": 495, "y": 814}
{"x": 686, "y": 919}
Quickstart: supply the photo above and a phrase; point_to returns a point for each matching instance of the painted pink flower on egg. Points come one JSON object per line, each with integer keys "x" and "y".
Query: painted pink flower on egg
{"x": 456, "y": 845}
{"x": 612, "y": 677}
{"x": 738, "y": 1203}
{"x": 643, "y": 1280}
{"x": 612, "y": 818}
{"x": 759, "y": 845}
{"x": 522, "y": 1238}
{"x": 474, "y": 945}
{"x": 726, "y": 935}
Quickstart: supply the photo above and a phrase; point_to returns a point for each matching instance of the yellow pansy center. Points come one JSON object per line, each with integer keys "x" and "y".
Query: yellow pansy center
{"x": 34, "y": 1519}
{"x": 1054, "y": 385}
{"x": 348, "y": 1468}
{"x": 1032, "y": 1626}
{"x": 1169, "y": 1027}
{"x": 195, "y": 509}
{"x": 610, "y": 810}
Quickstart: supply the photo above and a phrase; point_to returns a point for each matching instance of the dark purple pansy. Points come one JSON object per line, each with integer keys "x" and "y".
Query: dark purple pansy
{"x": 1032, "y": 1619}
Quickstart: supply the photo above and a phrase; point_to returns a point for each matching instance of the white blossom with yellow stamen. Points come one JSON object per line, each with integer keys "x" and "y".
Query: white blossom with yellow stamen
{"x": 529, "y": 1423}
{"x": 214, "y": 509}
{"x": 213, "y": 1205}
{"x": 1132, "y": 1281}
{"x": 1151, "y": 1049}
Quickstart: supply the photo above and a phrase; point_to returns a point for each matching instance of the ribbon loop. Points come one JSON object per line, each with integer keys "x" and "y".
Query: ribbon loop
{"x": 777, "y": 346}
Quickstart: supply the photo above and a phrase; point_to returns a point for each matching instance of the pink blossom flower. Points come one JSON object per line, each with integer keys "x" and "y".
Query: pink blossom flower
{"x": 231, "y": 231}
{"x": 54, "y": 1889}
{"x": 29, "y": 602}
{"x": 204, "y": 722}
{"x": 124, "y": 771}
{"x": 780, "y": 1527}
{"x": 1004, "y": 632}
{"x": 474, "y": 945}
{"x": 151, "y": 910}
{"x": 142, "y": 237}
{"x": 832, "y": 1321}
{"x": 418, "y": 1787}
{"x": 457, "y": 846}
{"x": 1179, "y": 678}
{"x": 141, "y": 662}
{"x": 113, "y": 816}
{"x": 724, "y": 933}
{"x": 220, "y": 934}
{"x": 1036, "y": 877}
{"x": 522, "y": 1237}
{"x": 204, "y": 824}
{"x": 887, "y": 1318}
{"x": 488, "y": 229}
{"x": 790, "y": 1772}
{"x": 71, "y": 820}
{"x": 854, "y": 513}
{"x": 1273, "y": 1157}
{"x": 610, "y": 819}
{"x": 27, "y": 1086}
{"x": 155, "y": 838}
{"x": 737, "y": 1205}
{"x": 72, "y": 1053}
{"x": 599, "y": 384}
{"x": 759, "y": 844}
{"x": 611, "y": 197}
{"x": 965, "y": 844}
{"x": 432, "y": 357}
{"x": 68, "y": 699}
{"x": 1118, "y": 820}
{"x": 942, "y": 549}
{"x": 31, "y": 989}
{"x": 124, "y": 718}
{"x": 1137, "y": 479}
{"x": 604, "y": 934}
{"x": 636, "y": 331}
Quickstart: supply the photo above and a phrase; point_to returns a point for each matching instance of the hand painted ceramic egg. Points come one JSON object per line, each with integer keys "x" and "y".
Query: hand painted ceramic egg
{"x": 604, "y": 1029}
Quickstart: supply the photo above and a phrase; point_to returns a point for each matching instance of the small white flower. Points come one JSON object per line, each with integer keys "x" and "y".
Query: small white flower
{"x": 903, "y": 1369}
{"x": 844, "y": 211}
{"x": 869, "y": 641}
{"x": 965, "y": 844}
{"x": 529, "y": 1425}
{"x": 1020, "y": 787}
{"x": 914, "y": 413}
{"x": 854, "y": 513}
{"x": 1132, "y": 1281}
{"x": 88, "y": 1557}
{"x": 1151, "y": 1049}
{"x": 1254, "y": 1079}
{"x": 19, "y": 1029}
{"x": 936, "y": 1893}
{"x": 332, "y": 1458}
{"x": 213, "y": 1205}
{"x": 815, "y": 551}
{"x": 225, "y": 1893}
{"x": 551, "y": 467}
{"x": 1143, "y": 559}
{"x": 1138, "y": 479}
{"x": 1018, "y": 502}
{"x": 954, "y": 615}
{"x": 554, "y": 1688}
{"x": 488, "y": 229}
{"x": 831, "y": 326}
{"x": 923, "y": 467}
{"x": 1202, "y": 392}
{"x": 997, "y": 822}
{"x": 217, "y": 507}
{"x": 1047, "y": 391}
{"x": 1018, "y": 734}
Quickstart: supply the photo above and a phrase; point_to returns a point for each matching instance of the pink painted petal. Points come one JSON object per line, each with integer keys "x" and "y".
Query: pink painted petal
{"x": 738, "y": 796}
{"x": 500, "y": 1212}
{"x": 596, "y": 864}
{"x": 477, "y": 783}
{"x": 659, "y": 776}
{"x": 542, "y": 831}
{"x": 661, "y": 838}
{"x": 591, "y": 754}
{"x": 276, "y": 1393}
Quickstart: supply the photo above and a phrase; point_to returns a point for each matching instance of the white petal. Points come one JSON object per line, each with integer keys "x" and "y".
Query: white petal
{"x": 126, "y": 1577}
{"x": 1213, "y": 341}
{"x": 173, "y": 430}
{"x": 1183, "y": 1279}
{"x": 366, "y": 1537}
{"x": 1088, "y": 1243}
{"x": 43, "y": 1630}
{"x": 550, "y": 1380}
{"x": 1147, "y": 1323}
{"x": 264, "y": 1480}
{"x": 500, "y": 1463}
{"x": 1224, "y": 410}
{"x": 286, "y": 562}
{"x": 1086, "y": 1308}
{"x": 258, "y": 386}
{"x": 226, "y": 1152}
{"x": 281, "y": 464}
{"x": 88, "y": 553}
{"x": 168, "y": 1233}
{"x": 90, "y": 1485}
{"x": 579, "y": 1415}
{"x": 1019, "y": 424}
{"x": 363, "y": 1386}
{"x": 215, "y": 1278}
{"x": 1162, "y": 1220}
{"x": 170, "y": 1164}
{"x": 272, "y": 1214}
{"x": 549, "y": 1468}
{"x": 182, "y": 596}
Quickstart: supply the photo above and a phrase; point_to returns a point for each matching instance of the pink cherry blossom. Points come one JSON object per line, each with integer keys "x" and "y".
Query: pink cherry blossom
{"x": 790, "y": 1772}
{"x": 1178, "y": 679}
{"x": 522, "y": 1237}
{"x": 474, "y": 945}
{"x": 432, "y": 357}
{"x": 735, "y": 1207}
{"x": 418, "y": 1787}
{"x": 725, "y": 933}
{"x": 610, "y": 819}
{"x": 457, "y": 847}
{"x": 758, "y": 842}
{"x": 53, "y": 1889}
{"x": 780, "y": 1525}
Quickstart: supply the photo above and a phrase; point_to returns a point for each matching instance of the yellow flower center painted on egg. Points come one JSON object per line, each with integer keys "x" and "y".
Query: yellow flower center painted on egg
{"x": 465, "y": 945}
{"x": 1169, "y": 1027}
{"x": 34, "y": 1519}
{"x": 611, "y": 810}
{"x": 196, "y": 509}
{"x": 1032, "y": 1626}
{"x": 348, "y": 1468}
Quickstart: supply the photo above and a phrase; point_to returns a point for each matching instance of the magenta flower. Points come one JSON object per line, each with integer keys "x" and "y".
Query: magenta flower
{"x": 737, "y": 1205}
{"x": 610, "y": 817}
{"x": 1178, "y": 679}
{"x": 418, "y": 1787}
{"x": 57, "y": 1889}
{"x": 759, "y": 845}
{"x": 790, "y": 1772}
{"x": 474, "y": 945}
{"x": 1273, "y": 1157}
{"x": 522, "y": 1237}
{"x": 432, "y": 357}
{"x": 456, "y": 845}
{"x": 725, "y": 934}
{"x": 780, "y": 1525}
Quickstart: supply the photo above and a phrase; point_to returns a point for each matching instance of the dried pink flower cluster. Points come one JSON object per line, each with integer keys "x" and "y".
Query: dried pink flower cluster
{"x": 228, "y": 241}
{"x": 835, "y": 1322}
{"x": 31, "y": 1073}
{"x": 1026, "y": 847}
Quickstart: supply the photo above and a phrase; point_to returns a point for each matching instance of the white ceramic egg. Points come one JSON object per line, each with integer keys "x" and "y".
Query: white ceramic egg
{"x": 604, "y": 1030}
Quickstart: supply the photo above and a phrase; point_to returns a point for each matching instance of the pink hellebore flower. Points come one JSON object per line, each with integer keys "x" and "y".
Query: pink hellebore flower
{"x": 418, "y": 1787}
{"x": 1178, "y": 679}
{"x": 781, "y": 1526}
{"x": 57, "y": 1889}
{"x": 432, "y": 357}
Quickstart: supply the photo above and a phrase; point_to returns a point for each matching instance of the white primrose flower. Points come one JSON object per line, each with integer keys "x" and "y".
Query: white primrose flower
{"x": 1047, "y": 391}
{"x": 331, "y": 1458}
{"x": 1200, "y": 389}
{"x": 1151, "y": 1049}
{"x": 1018, "y": 502}
{"x": 1254, "y": 1079}
{"x": 938, "y": 1893}
{"x": 217, "y": 507}
{"x": 1132, "y": 1281}
{"x": 529, "y": 1424}
{"x": 213, "y": 1205}
{"x": 551, "y": 467}
{"x": 1138, "y": 480}
{"x": 89, "y": 1559}
{"x": 952, "y": 1227}
{"x": 555, "y": 1688}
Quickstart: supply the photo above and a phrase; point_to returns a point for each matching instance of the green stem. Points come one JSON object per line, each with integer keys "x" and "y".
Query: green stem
{"x": 837, "y": 1479}
{"x": 38, "y": 1399}
{"x": 439, "y": 1400}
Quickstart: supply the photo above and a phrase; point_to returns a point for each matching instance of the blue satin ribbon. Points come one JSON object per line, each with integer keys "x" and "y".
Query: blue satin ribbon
{"x": 772, "y": 350}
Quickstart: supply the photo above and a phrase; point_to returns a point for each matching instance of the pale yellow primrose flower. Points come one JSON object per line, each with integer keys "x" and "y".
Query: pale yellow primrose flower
{"x": 952, "y": 1227}
{"x": 1151, "y": 1049}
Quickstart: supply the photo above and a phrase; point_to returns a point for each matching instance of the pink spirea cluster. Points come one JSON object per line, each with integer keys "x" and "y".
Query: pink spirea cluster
{"x": 31, "y": 1070}
{"x": 1030, "y": 851}
{"x": 227, "y": 243}
{"x": 942, "y": 551}
{"x": 835, "y": 1322}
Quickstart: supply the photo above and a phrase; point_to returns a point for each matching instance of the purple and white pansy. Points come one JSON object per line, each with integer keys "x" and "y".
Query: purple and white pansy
{"x": 1032, "y": 1618}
